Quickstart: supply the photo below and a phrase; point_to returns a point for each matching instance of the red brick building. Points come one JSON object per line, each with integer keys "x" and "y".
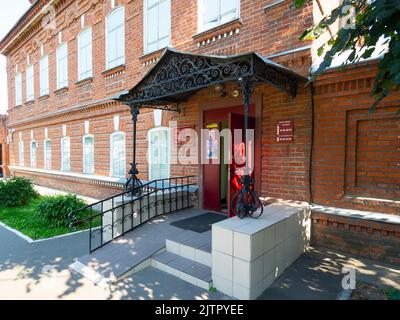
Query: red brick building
{"x": 67, "y": 59}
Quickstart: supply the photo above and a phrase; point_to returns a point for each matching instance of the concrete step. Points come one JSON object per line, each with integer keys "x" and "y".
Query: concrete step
{"x": 188, "y": 270}
{"x": 196, "y": 248}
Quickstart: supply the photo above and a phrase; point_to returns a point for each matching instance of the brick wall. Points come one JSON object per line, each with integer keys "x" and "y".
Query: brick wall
{"x": 374, "y": 240}
{"x": 356, "y": 154}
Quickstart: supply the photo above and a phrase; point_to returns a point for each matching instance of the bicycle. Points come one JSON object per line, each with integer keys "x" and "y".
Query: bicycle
{"x": 246, "y": 202}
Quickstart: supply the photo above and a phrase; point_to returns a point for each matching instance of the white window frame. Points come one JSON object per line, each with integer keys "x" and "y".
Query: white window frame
{"x": 18, "y": 89}
{"x": 30, "y": 82}
{"x": 62, "y": 82}
{"x": 21, "y": 154}
{"x": 112, "y": 169}
{"x": 150, "y": 132}
{"x": 64, "y": 156}
{"x": 46, "y": 161}
{"x": 121, "y": 59}
{"x": 145, "y": 26}
{"x": 44, "y": 75}
{"x": 84, "y": 169}
{"x": 200, "y": 16}
{"x": 85, "y": 54}
{"x": 33, "y": 154}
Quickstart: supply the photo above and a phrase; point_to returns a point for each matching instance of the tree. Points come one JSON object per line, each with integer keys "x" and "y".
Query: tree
{"x": 367, "y": 23}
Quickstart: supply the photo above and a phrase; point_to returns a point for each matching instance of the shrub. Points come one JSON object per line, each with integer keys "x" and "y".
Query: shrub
{"x": 16, "y": 191}
{"x": 56, "y": 209}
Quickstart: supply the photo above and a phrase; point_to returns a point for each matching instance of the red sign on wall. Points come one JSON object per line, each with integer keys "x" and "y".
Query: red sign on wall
{"x": 284, "y": 131}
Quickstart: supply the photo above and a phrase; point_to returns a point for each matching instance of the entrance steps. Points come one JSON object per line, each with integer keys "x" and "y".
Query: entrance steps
{"x": 189, "y": 260}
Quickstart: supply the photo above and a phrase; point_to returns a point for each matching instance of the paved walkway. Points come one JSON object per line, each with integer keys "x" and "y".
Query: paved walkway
{"x": 40, "y": 271}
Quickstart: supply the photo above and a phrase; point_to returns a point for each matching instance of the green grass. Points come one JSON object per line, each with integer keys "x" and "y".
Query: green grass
{"x": 26, "y": 221}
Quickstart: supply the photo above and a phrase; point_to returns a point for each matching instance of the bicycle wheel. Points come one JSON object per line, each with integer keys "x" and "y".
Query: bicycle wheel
{"x": 257, "y": 206}
{"x": 237, "y": 208}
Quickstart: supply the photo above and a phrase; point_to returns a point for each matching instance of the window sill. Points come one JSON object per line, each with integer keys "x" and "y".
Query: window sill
{"x": 30, "y": 102}
{"x": 218, "y": 30}
{"x": 112, "y": 71}
{"x": 18, "y": 106}
{"x": 151, "y": 57}
{"x": 84, "y": 81}
{"x": 44, "y": 97}
{"x": 61, "y": 90}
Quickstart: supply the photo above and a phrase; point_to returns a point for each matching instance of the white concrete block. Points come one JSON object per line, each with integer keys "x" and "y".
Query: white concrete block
{"x": 187, "y": 252}
{"x": 203, "y": 257}
{"x": 222, "y": 264}
{"x": 242, "y": 246}
{"x": 223, "y": 285}
{"x": 256, "y": 271}
{"x": 269, "y": 238}
{"x": 281, "y": 231}
{"x": 222, "y": 240}
{"x": 241, "y": 272}
{"x": 172, "y": 246}
{"x": 268, "y": 280}
{"x": 269, "y": 262}
{"x": 240, "y": 292}
{"x": 257, "y": 245}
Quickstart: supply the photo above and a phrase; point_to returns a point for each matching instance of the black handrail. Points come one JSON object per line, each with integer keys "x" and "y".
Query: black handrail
{"x": 127, "y": 201}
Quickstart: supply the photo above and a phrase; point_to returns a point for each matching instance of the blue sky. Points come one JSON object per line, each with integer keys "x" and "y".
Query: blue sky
{"x": 9, "y": 14}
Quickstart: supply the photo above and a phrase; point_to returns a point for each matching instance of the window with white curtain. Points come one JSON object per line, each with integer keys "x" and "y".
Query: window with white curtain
{"x": 88, "y": 154}
{"x": 117, "y": 154}
{"x": 65, "y": 154}
{"x": 44, "y": 75}
{"x": 30, "y": 88}
{"x": 213, "y": 13}
{"x": 47, "y": 154}
{"x": 21, "y": 153}
{"x": 115, "y": 38}
{"x": 62, "y": 66}
{"x": 85, "y": 54}
{"x": 33, "y": 154}
{"x": 157, "y": 24}
{"x": 18, "y": 89}
{"x": 159, "y": 153}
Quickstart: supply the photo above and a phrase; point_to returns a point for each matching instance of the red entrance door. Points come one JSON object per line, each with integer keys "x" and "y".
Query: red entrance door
{"x": 238, "y": 165}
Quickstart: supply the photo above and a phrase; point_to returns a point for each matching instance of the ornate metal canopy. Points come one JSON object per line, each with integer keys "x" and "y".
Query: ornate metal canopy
{"x": 178, "y": 75}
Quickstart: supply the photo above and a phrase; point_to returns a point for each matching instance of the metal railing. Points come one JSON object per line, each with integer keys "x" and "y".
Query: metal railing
{"x": 113, "y": 217}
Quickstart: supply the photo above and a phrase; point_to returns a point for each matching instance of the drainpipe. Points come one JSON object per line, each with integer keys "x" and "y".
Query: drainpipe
{"x": 311, "y": 200}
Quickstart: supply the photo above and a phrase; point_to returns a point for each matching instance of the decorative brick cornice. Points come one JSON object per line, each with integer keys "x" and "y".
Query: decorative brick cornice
{"x": 74, "y": 111}
{"x": 218, "y": 33}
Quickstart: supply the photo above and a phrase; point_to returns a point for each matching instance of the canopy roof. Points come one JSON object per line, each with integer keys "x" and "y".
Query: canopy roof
{"x": 178, "y": 75}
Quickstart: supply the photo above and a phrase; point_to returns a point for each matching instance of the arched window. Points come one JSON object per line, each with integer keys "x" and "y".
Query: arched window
{"x": 115, "y": 38}
{"x": 65, "y": 154}
{"x": 47, "y": 154}
{"x": 88, "y": 154}
{"x": 117, "y": 154}
{"x": 159, "y": 153}
{"x": 33, "y": 154}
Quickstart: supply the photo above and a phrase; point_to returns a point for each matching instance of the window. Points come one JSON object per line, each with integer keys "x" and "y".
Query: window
{"x": 157, "y": 24}
{"x": 18, "y": 89}
{"x": 47, "y": 154}
{"x": 21, "y": 153}
{"x": 30, "y": 89}
{"x": 213, "y": 13}
{"x": 65, "y": 154}
{"x": 159, "y": 153}
{"x": 117, "y": 154}
{"x": 44, "y": 75}
{"x": 85, "y": 54}
{"x": 62, "y": 66}
{"x": 88, "y": 154}
{"x": 115, "y": 38}
{"x": 33, "y": 154}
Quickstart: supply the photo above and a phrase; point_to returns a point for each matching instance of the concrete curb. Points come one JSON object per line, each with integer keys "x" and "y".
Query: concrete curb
{"x": 90, "y": 274}
{"x": 30, "y": 240}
